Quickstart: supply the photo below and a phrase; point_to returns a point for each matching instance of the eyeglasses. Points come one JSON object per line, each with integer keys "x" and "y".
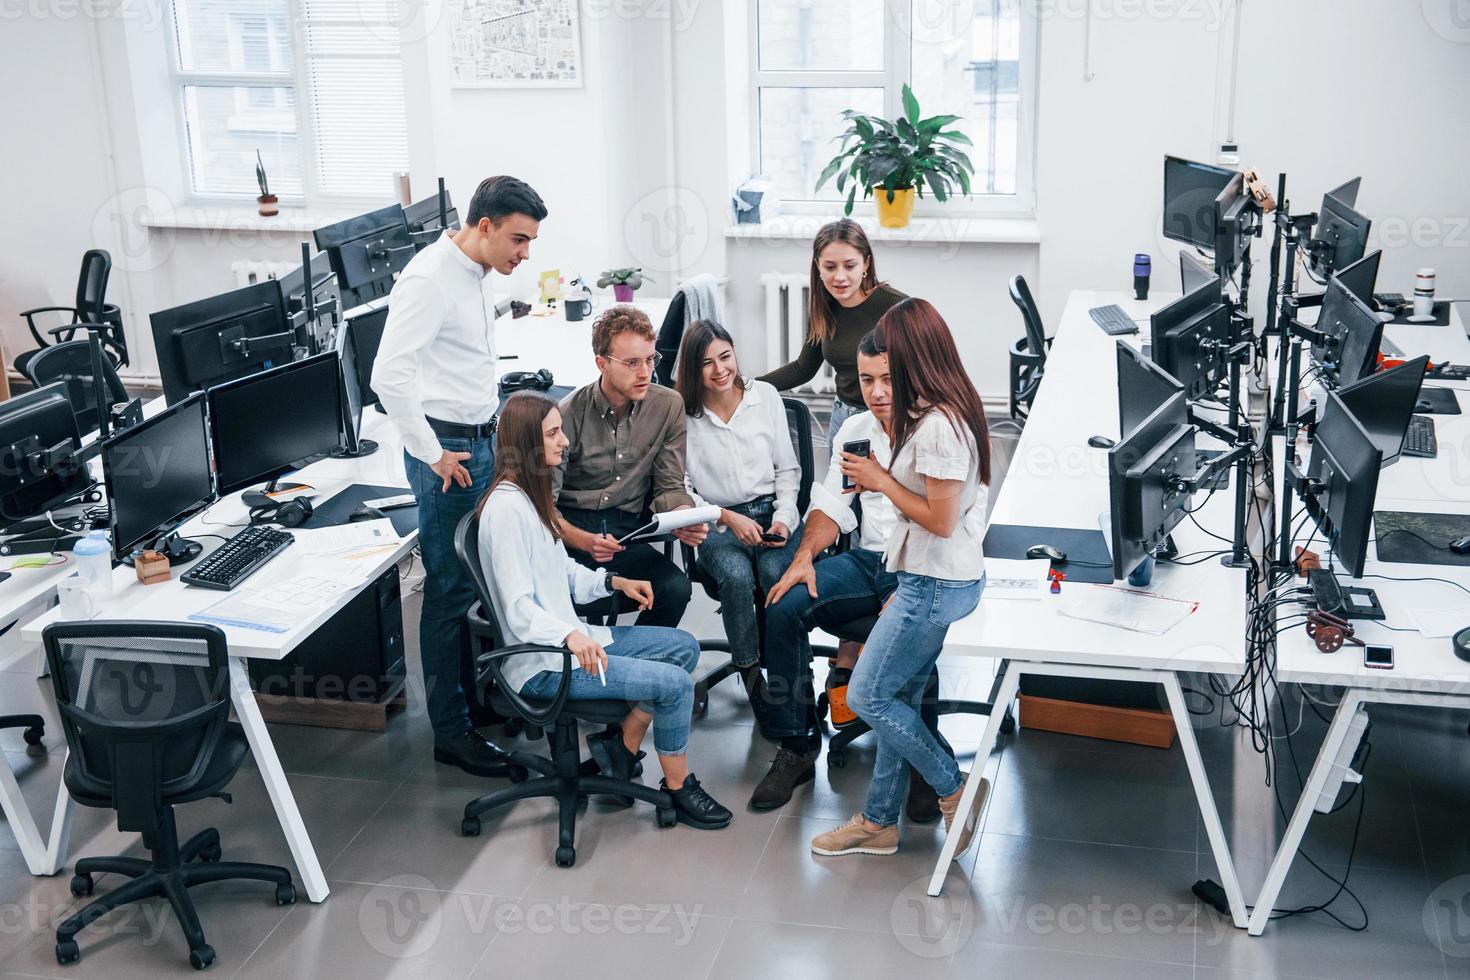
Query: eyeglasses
{"x": 634, "y": 363}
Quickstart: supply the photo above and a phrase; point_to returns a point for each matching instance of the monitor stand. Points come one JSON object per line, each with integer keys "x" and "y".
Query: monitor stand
{"x": 365, "y": 447}
{"x": 176, "y": 549}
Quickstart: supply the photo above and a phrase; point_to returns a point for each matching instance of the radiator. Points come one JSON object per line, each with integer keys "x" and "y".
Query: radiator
{"x": 254, "y": 271}
{"x": 786, "y": 326}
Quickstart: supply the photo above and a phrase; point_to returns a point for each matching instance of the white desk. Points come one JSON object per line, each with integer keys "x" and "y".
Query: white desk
{"x": 1057, "y": 480}
{"x": 172, "y": 601}
{"x": 563, "y": 348}
{"x": 1426, "y": 671}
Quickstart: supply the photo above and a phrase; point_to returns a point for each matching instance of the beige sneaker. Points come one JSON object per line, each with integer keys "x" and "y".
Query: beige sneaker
{"x": 855, "y": 838}
{"x": 967, "y": 830}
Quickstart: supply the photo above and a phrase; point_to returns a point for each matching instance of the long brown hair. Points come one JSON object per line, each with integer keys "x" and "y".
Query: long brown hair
{"x": 690, "y": 379}
{"x": 925, "y": 366}
{"x": 821, "y": 308}
{"x": 520, "y": 454}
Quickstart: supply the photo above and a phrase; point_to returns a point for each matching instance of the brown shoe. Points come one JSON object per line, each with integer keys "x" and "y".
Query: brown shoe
{"x": 854, "y": 837}
{"x": 972, "y": 818}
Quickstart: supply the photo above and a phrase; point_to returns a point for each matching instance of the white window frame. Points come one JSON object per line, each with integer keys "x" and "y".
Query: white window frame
{"x": 896, "y": 56}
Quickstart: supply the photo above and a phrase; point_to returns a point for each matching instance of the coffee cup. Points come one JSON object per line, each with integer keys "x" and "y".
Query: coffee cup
{"x": 577, "y": 308}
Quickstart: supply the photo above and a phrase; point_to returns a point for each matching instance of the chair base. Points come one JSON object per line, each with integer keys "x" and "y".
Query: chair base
{"x": 34, "y": 725}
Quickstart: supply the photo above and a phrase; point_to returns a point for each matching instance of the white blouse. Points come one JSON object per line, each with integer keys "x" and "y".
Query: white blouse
{"x": 936, "y": 450}
{"x": 750, "y": 456}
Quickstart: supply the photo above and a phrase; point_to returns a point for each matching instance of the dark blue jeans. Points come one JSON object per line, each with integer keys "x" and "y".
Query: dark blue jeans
{"x": 740, "y": 569}
{"x": 444, "y": 642}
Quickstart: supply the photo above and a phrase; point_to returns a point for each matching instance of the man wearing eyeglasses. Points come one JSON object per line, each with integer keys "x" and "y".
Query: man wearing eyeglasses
{"x": 627, "y": 454}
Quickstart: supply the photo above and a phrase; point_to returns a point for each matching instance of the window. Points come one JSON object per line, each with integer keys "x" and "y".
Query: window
{"x": 314, "y": 86}
{"x": 813, "y": 59}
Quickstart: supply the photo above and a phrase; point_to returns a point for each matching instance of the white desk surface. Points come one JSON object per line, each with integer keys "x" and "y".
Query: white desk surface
{"x": 562, "y": 347}
{"x": 1057, "y": 480}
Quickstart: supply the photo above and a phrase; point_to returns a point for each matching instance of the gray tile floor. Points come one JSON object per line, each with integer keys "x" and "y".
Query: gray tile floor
{"x": 1083, "y": 868}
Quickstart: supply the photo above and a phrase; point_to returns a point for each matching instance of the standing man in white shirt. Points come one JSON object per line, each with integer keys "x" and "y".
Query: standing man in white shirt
{"x": 435, "y": 374}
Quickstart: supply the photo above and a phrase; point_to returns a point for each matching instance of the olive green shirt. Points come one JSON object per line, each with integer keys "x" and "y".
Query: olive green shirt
{"x": 614, "y": 464}
{"x": 853, "y": 323}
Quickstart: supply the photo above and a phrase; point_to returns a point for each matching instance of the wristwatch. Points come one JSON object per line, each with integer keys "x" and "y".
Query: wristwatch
{"x": 608, "y": 580}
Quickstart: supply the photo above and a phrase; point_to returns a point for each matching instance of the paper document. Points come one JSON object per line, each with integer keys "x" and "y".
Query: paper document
{"x": 1437, "y": 623}
{"x": 275, "y": 607}
{"x": 672, "y": 520}
{"x": 347, "y": 540}
{"x": 1141, "y": 612}
{"x": 1011, "y": 578}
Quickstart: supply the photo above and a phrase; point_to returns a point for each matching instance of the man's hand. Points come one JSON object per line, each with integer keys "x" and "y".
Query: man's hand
{"x": 601, "y": 547}
{"x": 694, "y": 534}
{"x": 450, "y": 467}
{"x": 746, "y": 531}
{"x": 589, "y": 652}
{"x": 801, "y": 571}
{"x": 640, "y": 592}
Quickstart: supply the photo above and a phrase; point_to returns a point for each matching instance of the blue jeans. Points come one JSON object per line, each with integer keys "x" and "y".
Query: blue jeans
{"x": 841, "y": 412}
{"x": 444, "y": 641}
{"x": 739, "y": 569}
{"x": 648, "y": 665}
{"x": 889, "y": 680}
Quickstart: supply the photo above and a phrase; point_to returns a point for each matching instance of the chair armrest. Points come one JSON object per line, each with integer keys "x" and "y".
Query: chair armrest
{"x": 490, "y": 661}
{"x": 71, "y": 328}
{"x": 31, "y": 322}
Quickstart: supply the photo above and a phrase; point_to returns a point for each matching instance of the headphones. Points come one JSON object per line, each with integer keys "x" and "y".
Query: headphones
{"x": 525, "y": 381}
{"x": 292, "y": 513}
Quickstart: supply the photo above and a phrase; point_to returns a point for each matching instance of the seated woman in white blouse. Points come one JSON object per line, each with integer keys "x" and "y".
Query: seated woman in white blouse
{"x": 533, "y": 583}
{"x": 740, "y": 458}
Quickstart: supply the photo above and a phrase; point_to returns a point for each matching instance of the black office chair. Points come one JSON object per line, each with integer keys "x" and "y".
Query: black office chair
{"x": 563, "y": 777}
{"x": 670, "y": 335}
{"x": 1028, "y": 355}
{"x": 145, "y": 708}
{"x": 91, "y": 309}
{"x": 71, "y": 362}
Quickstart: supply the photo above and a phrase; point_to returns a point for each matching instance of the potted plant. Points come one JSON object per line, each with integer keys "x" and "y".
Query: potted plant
{"x": 894, "y": 161}
{"x": 623, "y": 282}
{"x": 270, "y": 205}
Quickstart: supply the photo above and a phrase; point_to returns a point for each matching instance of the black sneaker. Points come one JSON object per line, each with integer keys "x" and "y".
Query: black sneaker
{"x": 474, "y": 753}
{"x": 922, "y": 805}
{"x": 754, "y": 683}
{"x": 788, "y": 770}
{"x": 612, "y": 756}
{"x": 692, "y": 805}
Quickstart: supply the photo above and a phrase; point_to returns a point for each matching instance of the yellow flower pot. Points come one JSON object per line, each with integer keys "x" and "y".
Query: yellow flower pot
{"x": 897, "y": 213}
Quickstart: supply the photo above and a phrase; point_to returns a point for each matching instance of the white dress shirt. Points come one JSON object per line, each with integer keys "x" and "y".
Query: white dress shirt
{"x": 533, "y": 583}
{"x": 437, "y": 355}
{"x": 750, "y": 456}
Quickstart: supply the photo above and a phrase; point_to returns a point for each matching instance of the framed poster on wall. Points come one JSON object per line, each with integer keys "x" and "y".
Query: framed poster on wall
{"x": 515, "y": 44}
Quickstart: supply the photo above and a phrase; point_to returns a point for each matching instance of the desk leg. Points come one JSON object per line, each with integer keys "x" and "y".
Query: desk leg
{"x": 1006, "y": 692}
{"x": 1218, "y": 844}
{"x": 22, "y": 824}
{"x": 60, "y": 841}
{"x": 275, "y": 782}
{"x": 1286, "y": 853}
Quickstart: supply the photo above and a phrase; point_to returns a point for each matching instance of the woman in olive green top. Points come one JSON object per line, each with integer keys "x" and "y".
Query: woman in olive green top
{"x": 844, "y": 302}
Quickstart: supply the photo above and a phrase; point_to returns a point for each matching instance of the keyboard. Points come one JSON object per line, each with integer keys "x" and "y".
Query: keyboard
{"x": 238, "y": 558}
{"x": 1113, "y": 320}
{"x": 1420, "y": 440}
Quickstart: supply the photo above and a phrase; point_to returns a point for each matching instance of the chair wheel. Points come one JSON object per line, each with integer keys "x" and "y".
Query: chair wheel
{"x": 566, "y": 857}
{"x": 470, "y": 826}
{"x": 822, "y": 706}
{"x": 285, "y": 894}
{"x": 33, "y": 735}
{"x": 1007, "y": 725}
{"x": 67, "y": 952}
{"x": 513, "y": 727}
{"x": 518, "y": 774}
{"x": 201, "y": 957}
{"x": 837, "y": 759}
{"x": 82, "y": 885}
{"x": 666, "y": 816}
{"x": 701, "y": 705}
{"x": 211, "y": 854}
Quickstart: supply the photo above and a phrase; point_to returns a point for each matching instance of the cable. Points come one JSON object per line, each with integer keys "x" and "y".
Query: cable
{"x": 1404, "y": 530}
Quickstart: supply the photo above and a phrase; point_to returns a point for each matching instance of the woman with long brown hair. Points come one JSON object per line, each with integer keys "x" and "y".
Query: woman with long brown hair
{"x": 844, "y": 301}
{"x": 533, "y": 584}
{"x": 937, "y": 479}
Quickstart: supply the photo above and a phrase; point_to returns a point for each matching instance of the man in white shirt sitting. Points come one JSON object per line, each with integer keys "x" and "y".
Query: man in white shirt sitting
{"x": 435, "y": 374}
{"x": 828, "y": 593}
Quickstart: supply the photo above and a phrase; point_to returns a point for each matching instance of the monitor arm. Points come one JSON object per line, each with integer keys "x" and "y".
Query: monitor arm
{"x": 380, "y": 251}
{"x": 247, "y": 347}
{"x": 1206, "y": 475}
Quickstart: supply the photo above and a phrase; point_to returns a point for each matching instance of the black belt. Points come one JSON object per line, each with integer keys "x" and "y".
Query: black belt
{"x": 458, "y": 430}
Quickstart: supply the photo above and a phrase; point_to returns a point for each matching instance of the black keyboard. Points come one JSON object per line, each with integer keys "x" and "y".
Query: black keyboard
{"x": 1113, "y": 320}
{"x": 238, "y": 558}
{"x": 1420, "y": 440}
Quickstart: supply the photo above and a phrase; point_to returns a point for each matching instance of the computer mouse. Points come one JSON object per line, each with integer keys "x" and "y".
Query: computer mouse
{"x": 1101, "y": 442}
{"x": 1460, "y": 546}
{"x": 1423, "y": 405}
{"x": 1056, "y": 555}
{"x": 365, "y": 513}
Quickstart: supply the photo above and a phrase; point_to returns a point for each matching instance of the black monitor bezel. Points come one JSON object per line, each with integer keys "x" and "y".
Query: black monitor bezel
{"x": 110, "y": 447}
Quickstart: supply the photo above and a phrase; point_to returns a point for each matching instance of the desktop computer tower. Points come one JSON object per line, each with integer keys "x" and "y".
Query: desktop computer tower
{"x": 357, "y": 655}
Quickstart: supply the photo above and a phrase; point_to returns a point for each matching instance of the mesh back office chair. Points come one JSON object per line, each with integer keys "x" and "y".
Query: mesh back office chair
{"x": 670, "y": 335}
{"x": 71, "y": 362}
{"x": 1028, "y": 354}
{"x": 145, "y": 708}
{"x": 562, "y": 776}
{"x": 91, "y": 309}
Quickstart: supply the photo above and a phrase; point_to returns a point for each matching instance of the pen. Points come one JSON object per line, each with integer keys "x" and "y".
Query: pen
{"x": 602, "y": 673}
{"x": 604, "y": 527}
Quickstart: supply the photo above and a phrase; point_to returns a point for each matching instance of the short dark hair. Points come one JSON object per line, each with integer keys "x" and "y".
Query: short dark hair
{"x": 497, "y": 198}
{"x": 872, "y": 345}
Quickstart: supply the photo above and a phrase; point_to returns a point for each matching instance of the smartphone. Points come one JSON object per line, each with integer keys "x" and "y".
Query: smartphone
{"x": 858, "y": 447}
{"x": 1377, "y": 656}
{"x": 768, "y": 536}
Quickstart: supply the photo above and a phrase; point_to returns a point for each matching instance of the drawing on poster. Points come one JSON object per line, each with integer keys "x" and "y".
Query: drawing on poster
{"x": 515, "y": 43}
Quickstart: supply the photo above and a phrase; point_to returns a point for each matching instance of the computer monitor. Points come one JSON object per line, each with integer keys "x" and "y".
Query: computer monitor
{"x": 1361, "y": 276}
{"x": 1233, "y": 207}
{"x": 273, "y": 422}
{"x": 1190, "y": 338}
{"x": 221, "y": 338}
{"x": 1384, "y": 403}
{"x": 424, "y": 221}
{"x": 1143, "y": 386}
{"x": 158, "y": 475}
{"x": 1342, "y": 480}
{"x": 38, "y": 442}
{"x": 1347, "y": 192}
{"x": 366, "y": 252}
{"x": 1144, "y": 500}
{"x": 354, "y": 445}
{"x": 326, "y": 301}
{"x": 1341, "y": 235}
{"x": 367, "y": 334}
{"x": 1351, "y": 334}
{"x": 1192, "y": 272}
{"x": 1190, "y": 190}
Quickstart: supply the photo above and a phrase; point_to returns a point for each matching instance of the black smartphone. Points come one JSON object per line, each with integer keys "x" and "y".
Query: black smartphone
{"x": 858, "y": 447}
{"x": 1378, "y": 656}
{"x": 768, "y": 536}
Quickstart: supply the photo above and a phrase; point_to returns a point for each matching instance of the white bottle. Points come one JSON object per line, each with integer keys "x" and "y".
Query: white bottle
{"x": 93, "y": 555}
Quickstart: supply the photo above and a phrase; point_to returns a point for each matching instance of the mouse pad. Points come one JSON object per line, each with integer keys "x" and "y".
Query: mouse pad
{"x": 336, "y": 509}
{"x": 1442, "y": 401}
{"x": 1079, "y": 544}
{"x": 1441, "y": 317}
{"x": 1395, "y": 540}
